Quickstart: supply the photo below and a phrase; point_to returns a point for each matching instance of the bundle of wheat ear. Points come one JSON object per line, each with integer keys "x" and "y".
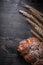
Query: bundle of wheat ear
{"x": 35, "y": 19}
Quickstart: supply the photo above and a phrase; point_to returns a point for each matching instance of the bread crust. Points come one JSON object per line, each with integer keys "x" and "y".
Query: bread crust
{"x": 31, "y": 49}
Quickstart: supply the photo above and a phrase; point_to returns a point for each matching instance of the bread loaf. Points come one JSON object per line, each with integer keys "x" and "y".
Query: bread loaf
{"x": 31, "y": 49}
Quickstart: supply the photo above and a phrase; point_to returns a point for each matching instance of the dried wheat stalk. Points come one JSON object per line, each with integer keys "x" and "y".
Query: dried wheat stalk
{"x": 37, "y": 28}
{"x": 34, "y": 33}
{"x": 37, "y": 15}
{"x": 34, "y": 12}
{"x": 31, "y": 17}
{"x": 33, "y": 21}
{"x": 30, "y": 7}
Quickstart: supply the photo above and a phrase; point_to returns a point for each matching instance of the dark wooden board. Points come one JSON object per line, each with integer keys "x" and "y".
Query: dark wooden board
{"x": 13, "y": 28}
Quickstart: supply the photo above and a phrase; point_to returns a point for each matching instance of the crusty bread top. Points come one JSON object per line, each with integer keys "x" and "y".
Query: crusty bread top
{"x": 31, "y": 49}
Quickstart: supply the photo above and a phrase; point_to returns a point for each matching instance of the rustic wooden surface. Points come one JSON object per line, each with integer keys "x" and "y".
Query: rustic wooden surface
{"x": 13, "y": 28}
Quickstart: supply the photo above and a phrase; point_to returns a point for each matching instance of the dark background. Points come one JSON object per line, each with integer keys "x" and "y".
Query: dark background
{"x": 13, "y": 28}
